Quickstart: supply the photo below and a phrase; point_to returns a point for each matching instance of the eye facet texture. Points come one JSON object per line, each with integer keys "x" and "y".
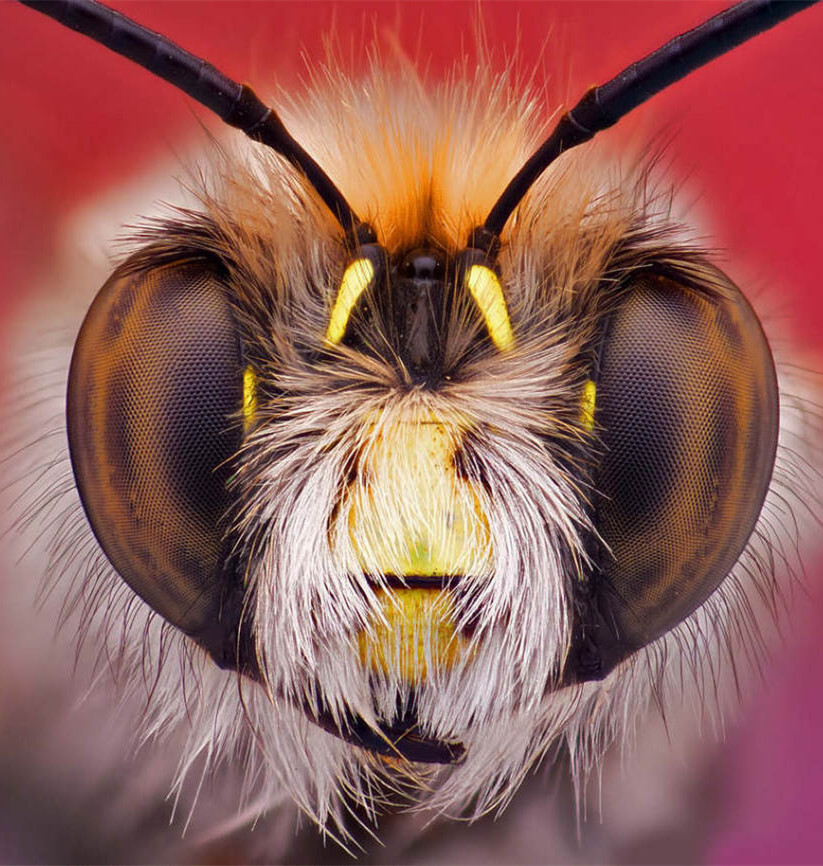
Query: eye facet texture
{"x": 155, "y": 392}
{"x": 687, "y": 415}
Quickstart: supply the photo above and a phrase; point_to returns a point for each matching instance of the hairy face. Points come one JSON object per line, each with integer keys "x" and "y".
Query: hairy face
{"x": 411, "y": 533}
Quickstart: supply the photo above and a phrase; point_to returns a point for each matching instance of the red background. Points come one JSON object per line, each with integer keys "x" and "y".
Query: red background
{"x": 745, "y": 134}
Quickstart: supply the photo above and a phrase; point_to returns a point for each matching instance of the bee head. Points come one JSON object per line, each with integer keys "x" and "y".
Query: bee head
{"x": 411, "y": 488}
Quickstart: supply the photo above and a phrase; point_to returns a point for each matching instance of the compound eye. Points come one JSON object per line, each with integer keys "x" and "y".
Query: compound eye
{"x": 154, "y": 401}
{"x": 687, "y": 414}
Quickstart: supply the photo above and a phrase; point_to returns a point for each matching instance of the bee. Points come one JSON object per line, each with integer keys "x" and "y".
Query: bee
{"x": 343, "y": 504}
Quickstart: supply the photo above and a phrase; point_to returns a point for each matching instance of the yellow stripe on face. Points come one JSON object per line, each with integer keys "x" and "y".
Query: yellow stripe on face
{"x": 487, "y": 292}
{"x": 587, "y": 404}
{"x": 355, "y": 281}
{"x": 249, "y": 396}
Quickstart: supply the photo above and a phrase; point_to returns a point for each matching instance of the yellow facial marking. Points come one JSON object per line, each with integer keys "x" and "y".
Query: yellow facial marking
{"x": 487, "y": 292}
{"x": 249, "y": 396}
{"x": 587, "y": 404}
{"x": 416, "y": 515}
{"x": 417, "y": 631}
{"x": 355, "y": 281}
{"x": 409, "y": 512}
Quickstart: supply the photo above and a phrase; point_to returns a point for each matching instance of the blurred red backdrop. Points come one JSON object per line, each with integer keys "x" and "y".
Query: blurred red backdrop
{"x": 745, "y": 135}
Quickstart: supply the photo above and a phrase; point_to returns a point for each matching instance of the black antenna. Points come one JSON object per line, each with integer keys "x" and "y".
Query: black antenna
{"x": 237, "y": 104}
{"x": 603, "y": 106}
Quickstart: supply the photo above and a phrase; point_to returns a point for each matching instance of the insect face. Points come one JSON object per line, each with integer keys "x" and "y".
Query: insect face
{"x": 423, "y": 500}
{"x": 349, "y": 478}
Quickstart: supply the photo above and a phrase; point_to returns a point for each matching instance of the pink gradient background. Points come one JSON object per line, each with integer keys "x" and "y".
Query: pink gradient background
{"x": 745, "y": 134}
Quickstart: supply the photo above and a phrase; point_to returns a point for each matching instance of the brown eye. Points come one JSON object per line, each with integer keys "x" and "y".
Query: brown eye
{"x": 155, "y": 388}
{"x": 687, "y": 415}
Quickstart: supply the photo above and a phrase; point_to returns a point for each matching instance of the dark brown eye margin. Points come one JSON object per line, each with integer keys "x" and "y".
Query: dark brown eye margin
{"x": 686, "y": 418}
{"x": 154, "y": 416}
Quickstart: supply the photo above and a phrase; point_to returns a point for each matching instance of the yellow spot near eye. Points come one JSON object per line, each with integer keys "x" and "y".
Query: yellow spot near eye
{"x": 486, "y": 290}
{"x": 587, "y": 404}
{"x": 355, "y": 281}
{"x": 249, "y": 396}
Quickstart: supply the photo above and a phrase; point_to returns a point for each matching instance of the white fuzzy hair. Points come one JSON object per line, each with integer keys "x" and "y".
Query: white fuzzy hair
{"x": 423, "y": 167}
